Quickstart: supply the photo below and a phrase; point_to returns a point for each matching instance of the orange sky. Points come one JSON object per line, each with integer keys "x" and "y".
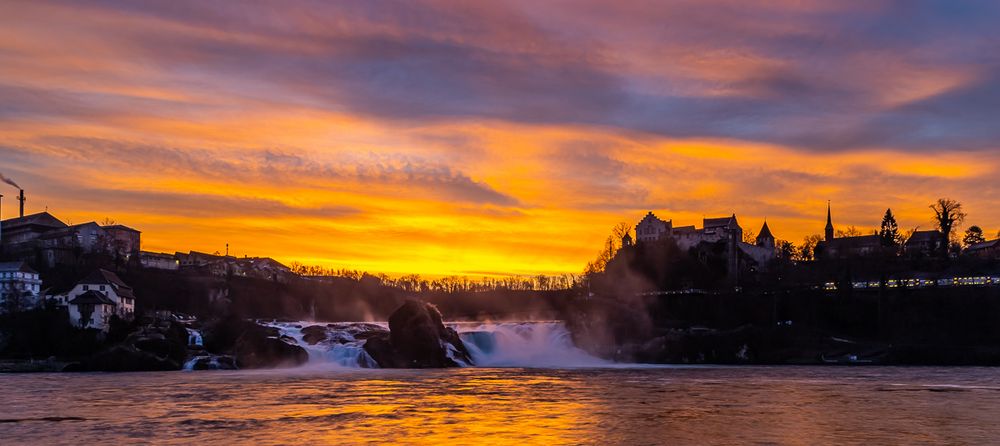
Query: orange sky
{"x": 477, "y": 139}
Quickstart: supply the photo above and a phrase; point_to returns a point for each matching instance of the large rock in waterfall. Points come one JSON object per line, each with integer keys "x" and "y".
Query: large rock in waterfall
{"x": 417, "y": 338}
{"x": 262, "y": 347}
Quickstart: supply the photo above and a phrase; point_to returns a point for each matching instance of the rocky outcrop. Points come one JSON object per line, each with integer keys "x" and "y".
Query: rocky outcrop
{"x": 314, "y": 334}
{"x": 264, "y": 347}
{"x": 417, "y": 338}
{"x": 213, "y": 362}
{"x": 154, "y": 345}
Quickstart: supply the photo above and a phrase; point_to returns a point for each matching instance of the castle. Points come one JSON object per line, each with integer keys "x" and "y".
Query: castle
{"x": 713, "y": 230}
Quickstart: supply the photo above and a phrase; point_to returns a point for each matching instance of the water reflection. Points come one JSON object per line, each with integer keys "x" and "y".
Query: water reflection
{"x": 500, "y": 406}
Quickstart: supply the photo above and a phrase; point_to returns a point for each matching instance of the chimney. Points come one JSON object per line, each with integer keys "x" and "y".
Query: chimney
{"x": 21, "y": 199}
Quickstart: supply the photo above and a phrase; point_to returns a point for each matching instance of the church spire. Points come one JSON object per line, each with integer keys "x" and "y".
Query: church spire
{"x": 829, "y": 222}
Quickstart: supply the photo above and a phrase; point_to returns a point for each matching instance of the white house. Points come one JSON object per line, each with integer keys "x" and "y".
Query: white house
{"x": 114, "y": 292}
{"x": 92, "y": 310}
{"x": 19, "y": 287}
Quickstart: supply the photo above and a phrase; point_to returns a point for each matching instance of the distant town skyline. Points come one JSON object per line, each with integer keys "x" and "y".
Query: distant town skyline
{"x": 493, "y": 138}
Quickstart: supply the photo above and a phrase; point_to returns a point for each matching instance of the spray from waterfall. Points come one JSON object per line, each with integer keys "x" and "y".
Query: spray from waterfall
{"x": 545, "y": 344}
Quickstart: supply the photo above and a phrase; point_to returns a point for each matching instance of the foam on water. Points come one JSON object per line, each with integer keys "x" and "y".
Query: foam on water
{"x": 533, "y": 344}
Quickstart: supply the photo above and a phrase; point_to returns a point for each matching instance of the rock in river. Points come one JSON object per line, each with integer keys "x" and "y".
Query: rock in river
{"x": 417, "y": 338}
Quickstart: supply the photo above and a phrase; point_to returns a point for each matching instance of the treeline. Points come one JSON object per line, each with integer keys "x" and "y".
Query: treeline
{"x": 451, "y": 284}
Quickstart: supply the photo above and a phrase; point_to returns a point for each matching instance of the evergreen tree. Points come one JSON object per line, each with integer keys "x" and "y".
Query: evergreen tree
{"x": 890, "y": 230}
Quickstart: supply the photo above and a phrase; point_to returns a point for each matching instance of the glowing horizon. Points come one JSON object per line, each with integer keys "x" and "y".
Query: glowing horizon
{"x": 490, "y": 139}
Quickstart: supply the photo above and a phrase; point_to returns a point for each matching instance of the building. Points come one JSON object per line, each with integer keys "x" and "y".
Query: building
{"x": 765, "y": 239}
{"x": 21, "y": 234}
{"x": 159, "y": 260}
{"x": 845, "y": 247}
{"x": 924, "y": 243}
{"x": 219, "y": 265}
{"x": 45, "y": 239}
{"x": 986, "y": 250}
{"x": 20, "y": 287}
{"x": 123, "y": 242}
{"x": 91, "y": 309}
{"x": 108, "y": 285}
{"x": 714, "y": 230}
{"x": 64, "y": 246}
{"x": 651, "y": 228}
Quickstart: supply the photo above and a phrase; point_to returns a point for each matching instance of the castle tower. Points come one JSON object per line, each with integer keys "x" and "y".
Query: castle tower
{"x": 765, "y": 239}
{"x": 829, "y": 223}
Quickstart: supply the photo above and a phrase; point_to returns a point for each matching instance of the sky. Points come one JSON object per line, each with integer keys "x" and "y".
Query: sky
{"x": 500, "y": 137}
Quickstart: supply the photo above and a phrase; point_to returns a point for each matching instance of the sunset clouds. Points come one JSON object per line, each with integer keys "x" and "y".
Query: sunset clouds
{"x": 488, "y": 137}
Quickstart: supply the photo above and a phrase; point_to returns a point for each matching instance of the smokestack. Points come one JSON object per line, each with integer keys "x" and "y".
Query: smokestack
{"x": 21, "y": 199}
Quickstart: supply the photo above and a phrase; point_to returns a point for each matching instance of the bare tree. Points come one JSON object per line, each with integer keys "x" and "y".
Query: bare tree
{"x": 948, "y": 214}
{"x": 851, "y": 231}
{"x": 621, "y": 230}
{"x": 749, "y": 237}
{"x": 807, "y": 251}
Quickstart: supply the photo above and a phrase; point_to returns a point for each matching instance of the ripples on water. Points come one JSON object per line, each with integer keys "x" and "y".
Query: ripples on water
{"x": 703, "y": 405}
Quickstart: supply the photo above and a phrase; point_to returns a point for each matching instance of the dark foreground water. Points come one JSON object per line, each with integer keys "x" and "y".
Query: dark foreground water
{"x": 720, "y": 405}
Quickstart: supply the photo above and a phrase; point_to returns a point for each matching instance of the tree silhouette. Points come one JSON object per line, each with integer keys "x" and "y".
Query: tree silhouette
{"x": 973, "y": 235}
{"x": 807, "y": 251}
{"x": 947, "y": 214}
{"x": 851, "y": 231}
{"x": 889, "y": 232}
{"x": 784, "y": 250}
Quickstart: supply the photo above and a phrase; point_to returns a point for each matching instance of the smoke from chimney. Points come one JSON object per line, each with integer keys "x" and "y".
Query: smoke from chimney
{"x": 8, "y": 181}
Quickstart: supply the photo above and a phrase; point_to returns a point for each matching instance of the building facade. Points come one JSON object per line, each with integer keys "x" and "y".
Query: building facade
{"x": 713, "y": 230}
{"x": 985, "y": 250}
{"x": 114, "y": 292}
{"x": 20, "y": 287}
{"x": 159, "y": 260}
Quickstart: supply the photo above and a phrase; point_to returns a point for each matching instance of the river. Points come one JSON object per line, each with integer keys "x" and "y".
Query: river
{"x": 611, "y": 405}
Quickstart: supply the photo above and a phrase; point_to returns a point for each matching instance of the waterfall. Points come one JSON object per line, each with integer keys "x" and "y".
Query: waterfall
{"x": 524, "y": 344}
{"x": 534, "y": 344}
{"x": 194, "y": 338}
{"x": 341, "y": 345}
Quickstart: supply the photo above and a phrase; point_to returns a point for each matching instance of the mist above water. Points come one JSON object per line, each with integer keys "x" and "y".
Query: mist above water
{"x": 529, "y": 344}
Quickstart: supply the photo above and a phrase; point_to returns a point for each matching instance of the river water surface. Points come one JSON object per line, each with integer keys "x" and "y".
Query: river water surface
{"x": 632, "y": 406}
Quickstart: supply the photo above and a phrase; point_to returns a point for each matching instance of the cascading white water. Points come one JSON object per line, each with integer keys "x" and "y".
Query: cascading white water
{"x": 545, "y": 344}
{"x": 343, "y": 345}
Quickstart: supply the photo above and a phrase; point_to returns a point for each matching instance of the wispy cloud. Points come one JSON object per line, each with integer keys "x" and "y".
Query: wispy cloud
{"x": 485, "y": 133}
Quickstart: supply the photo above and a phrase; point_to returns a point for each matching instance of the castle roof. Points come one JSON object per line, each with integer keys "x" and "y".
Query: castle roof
{"x": 765, "y": 232}
{"x": 720, "y": 222}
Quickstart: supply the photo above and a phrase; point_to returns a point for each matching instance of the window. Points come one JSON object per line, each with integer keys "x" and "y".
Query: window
{"x": 102, "y": 287}
{"x": 86, "y": 287}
